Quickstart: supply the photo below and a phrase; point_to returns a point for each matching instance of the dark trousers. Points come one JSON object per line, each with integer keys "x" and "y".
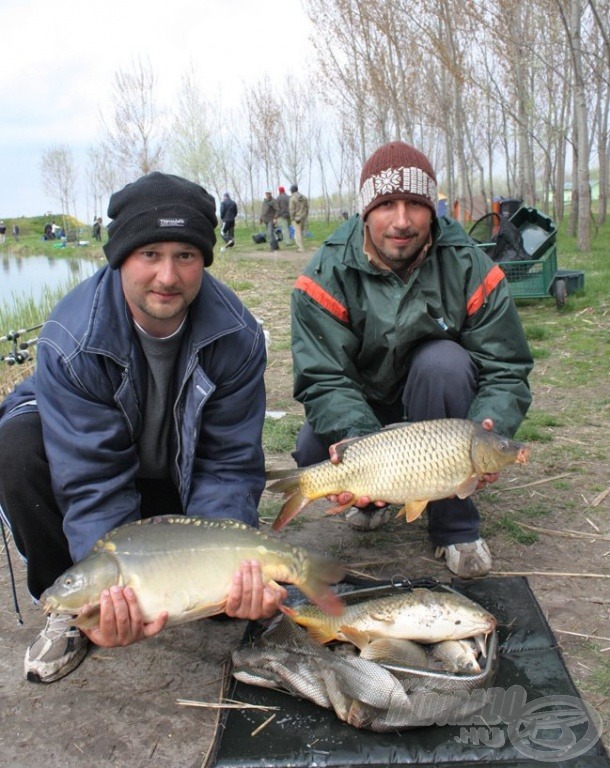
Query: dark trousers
{"x": 441, "y": 383}
{"x": 28, "y": 506}
{"x": 228, "y": 231}
{"x": 271, "y": 238}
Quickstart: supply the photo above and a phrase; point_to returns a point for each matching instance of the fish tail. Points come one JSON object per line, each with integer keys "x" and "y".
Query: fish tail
{"x": 291, "y": 508}
{"x": 322, "y": 572}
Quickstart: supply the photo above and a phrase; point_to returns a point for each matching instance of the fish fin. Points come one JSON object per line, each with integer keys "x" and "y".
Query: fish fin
{"x": 355, "y": 637}
{"x": 467, "y": 487}
{"x": 322, "y": 572}
{"x": 339, "y": 508}
{"x": 314, "y": 627}
{"x": 481, "y": 645}
{"x": 413, "y": 509}
{"x": 291, "y": 508}
{"x": 286, "y": 480}
{"x": 210, "y": 609}
{"x": 89, "y": 620}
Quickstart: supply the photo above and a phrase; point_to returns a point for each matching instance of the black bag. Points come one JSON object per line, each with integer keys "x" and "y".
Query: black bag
{"x": 508, "y": 244}
{"x": 259, "y": 237}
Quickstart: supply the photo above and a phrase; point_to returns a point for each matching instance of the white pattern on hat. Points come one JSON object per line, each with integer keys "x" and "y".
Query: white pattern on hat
{"x": 413, "y": 181}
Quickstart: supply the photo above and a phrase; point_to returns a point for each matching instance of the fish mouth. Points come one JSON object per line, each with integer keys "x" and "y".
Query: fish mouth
{"x": 523, "y": 455}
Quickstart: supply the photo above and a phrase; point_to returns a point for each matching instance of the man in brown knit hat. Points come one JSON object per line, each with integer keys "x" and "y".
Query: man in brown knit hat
{"x": 399, "y": 316}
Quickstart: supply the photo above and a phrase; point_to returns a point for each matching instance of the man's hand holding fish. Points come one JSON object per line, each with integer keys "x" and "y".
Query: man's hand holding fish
{"x": 121, "y": 622}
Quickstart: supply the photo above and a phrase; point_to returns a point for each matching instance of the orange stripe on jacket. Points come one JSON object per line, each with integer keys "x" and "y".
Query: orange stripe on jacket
{"x": 492, "y": 278}
{"x": 322, "y": 297}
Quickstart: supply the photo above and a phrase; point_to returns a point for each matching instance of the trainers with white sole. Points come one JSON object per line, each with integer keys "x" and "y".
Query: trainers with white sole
{"x": 367, "y": 519}
{"x": 467, "y": 560}
{"x": 58, "y": 649}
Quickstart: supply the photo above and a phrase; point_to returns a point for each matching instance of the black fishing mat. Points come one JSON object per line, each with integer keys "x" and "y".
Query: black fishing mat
{"x": 536, "y": 715}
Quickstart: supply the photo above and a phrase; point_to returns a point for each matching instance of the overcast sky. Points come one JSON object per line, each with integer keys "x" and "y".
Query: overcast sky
{"x": 58, "y": 61}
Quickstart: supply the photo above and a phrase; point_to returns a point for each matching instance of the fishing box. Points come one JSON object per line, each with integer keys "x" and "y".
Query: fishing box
{"x": 539, "y": 718}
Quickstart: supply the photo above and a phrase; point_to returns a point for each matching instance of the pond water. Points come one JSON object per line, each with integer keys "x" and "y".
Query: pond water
{"x": 25, "y": 277}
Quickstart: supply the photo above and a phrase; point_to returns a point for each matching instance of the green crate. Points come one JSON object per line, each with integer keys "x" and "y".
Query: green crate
{"x": 532, "y": 278}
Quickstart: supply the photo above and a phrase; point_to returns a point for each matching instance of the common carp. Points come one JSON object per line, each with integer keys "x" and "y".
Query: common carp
{"x": 422, "y": 615}
{"x": 184, "y": 565}
{"x": 458, "y": 657}
{"x": 408, "y": 464}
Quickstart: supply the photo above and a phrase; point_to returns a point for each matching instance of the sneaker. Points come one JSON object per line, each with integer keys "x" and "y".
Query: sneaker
{"x": 57, "y": 650}
{"x": 467, "y": 560}
{"x": 231, "y": 243}
{"x": 367, "y": 520}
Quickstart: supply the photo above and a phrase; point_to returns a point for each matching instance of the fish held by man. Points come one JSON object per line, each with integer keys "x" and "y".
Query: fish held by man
{"x": 407, "y": 464}
{"x": 184, "y": 565}
{"x": 422, "y": 615}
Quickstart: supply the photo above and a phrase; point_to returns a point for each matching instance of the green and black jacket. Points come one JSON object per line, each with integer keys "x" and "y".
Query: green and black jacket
{"x": 354, "y": 328}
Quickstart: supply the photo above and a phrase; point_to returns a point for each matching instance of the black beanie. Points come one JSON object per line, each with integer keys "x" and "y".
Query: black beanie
{"x": 157, "y": 208}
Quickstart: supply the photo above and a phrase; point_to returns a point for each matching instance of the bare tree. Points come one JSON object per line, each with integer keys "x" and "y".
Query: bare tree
{"x": 191, "y": 146}
{"x": 571, "y": 15}
{"x": 136, "y": 135}
{"x": 267, "y": 130}
{"x": 59, "y": 177}
{"x": 102, "y": 176}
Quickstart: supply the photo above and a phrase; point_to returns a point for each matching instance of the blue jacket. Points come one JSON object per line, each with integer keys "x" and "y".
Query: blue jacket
{"x": 90, "y": 388}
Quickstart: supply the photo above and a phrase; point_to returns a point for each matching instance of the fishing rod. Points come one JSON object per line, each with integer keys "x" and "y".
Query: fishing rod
{"x": 19, "y": 349}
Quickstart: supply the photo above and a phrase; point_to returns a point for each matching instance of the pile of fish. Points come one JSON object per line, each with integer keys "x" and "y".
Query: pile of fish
{"x": 407, "y": 464}
{"x": 184, "y": 565}
{"x": 395, "y": 681}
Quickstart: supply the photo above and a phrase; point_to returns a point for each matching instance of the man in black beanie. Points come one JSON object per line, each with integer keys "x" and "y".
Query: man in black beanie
{"x": 148, "y": 398}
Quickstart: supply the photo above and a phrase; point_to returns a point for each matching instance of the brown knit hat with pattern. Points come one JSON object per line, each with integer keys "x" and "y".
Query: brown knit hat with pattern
{"x": 397, "y": 171}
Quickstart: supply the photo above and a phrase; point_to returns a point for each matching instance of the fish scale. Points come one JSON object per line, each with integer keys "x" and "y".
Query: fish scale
{"x": 406, "y": 464}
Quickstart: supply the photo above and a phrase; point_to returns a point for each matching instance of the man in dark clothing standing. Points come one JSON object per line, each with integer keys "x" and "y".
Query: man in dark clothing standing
{"x": 283, "y": 207}
{"x": 269, "y": 214}
{"x": 228, "y": 214}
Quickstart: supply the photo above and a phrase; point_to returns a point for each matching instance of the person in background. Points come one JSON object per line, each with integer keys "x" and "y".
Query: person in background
{"x": 148, "y": 398}
{"x": 228, "y": 214}
{"x": 299, "y": 212}
{"x": 283, "y": 208}
{"x": 2, "y": 232}
{"x": 96, "y": 230}
{"x": 399, "y": 316}
{"x": 16, "y": 232}
{"x": 269, "y": 214}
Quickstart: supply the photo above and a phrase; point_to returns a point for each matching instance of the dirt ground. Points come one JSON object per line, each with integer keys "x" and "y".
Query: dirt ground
{"x": 122, "y": 707}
